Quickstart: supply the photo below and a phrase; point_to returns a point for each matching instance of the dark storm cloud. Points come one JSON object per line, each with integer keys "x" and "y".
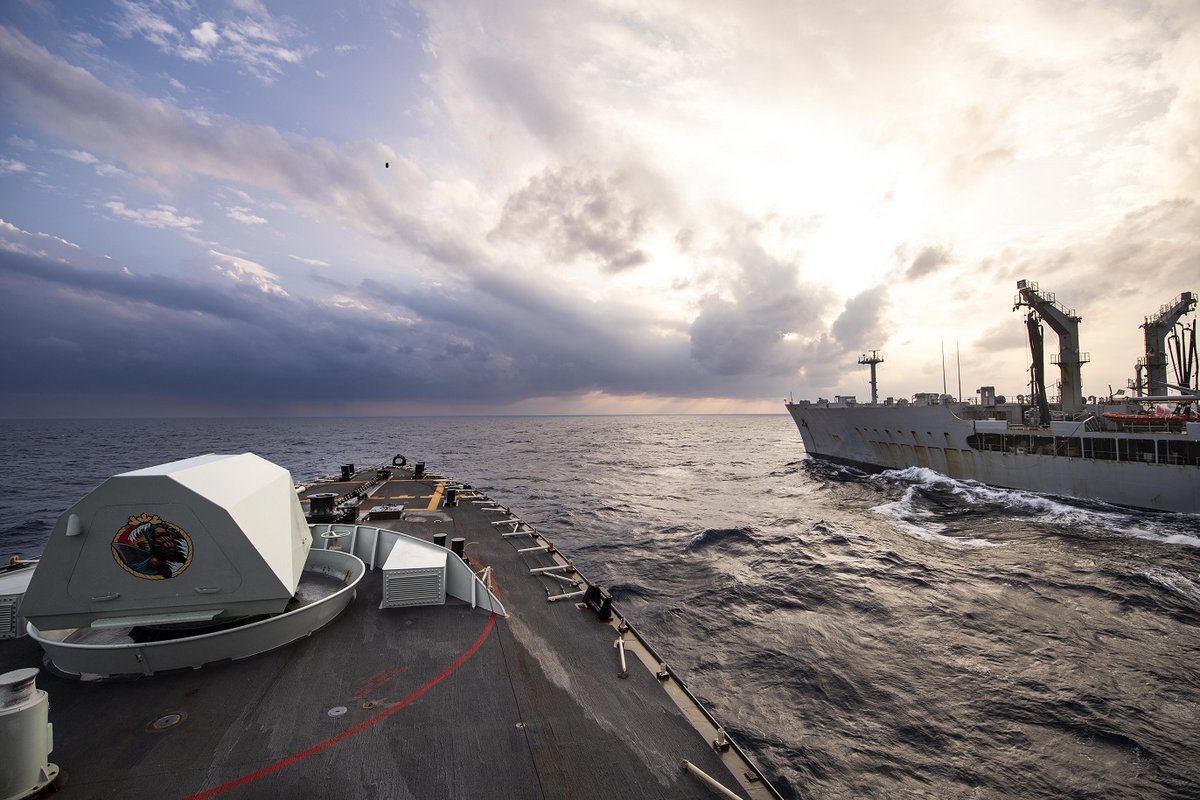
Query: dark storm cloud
{"x": 747, "y": 333}
{"x": 771, "y": 323}
{"x": 860, "y": 325}
{"x": 573, "y": 213}
{"x": 165, "y": 293}
{"x": 543, "y": 341}
{"x": 225, "y": 346}
{"x": 110, "y": 332}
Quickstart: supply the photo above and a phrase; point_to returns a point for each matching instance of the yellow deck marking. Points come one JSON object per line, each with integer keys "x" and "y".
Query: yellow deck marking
{"x": 437, "y": 496}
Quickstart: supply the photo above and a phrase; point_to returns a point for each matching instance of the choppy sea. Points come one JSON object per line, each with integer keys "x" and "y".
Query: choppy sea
{"x": 898, "y": 634}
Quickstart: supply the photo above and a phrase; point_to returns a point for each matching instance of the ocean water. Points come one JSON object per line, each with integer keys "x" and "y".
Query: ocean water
{"x": 897, "y": 635}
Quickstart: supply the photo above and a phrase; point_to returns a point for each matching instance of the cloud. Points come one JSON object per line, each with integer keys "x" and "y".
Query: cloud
{"x": 257, "y": 45}
{"x": 930, "y": 259}
{"x": 492, "y": 342}
{"x": 243, "y": 270}
{"x": 110, "y": 171}
{"x": 86, "y": 285}
{"x": 81, "y": 156}
{"x": 138, "y": 19}
{"x": 103, "y": 169}
{"x": 173, "y": 82}
{"x": 1003, "y": 337}
{"x": 156, "y": 137}
{"x": 13, "y": 235}
{"x": 9, "y": 166}
{"x": 253, "y": 40}
{"x": 977, "y": 142}
{"x": 574, "y": 212}
{"x": 532, "y": 252}
{"x": 162, "y": 216}
{"x": 244, "y": 215}
{"x": 206, "y": 34}
{"x": 312, "y": 262}
{"x": 766, "y": 320}
{"x": 861, "y": 324}
{"x": 526, "y": 93}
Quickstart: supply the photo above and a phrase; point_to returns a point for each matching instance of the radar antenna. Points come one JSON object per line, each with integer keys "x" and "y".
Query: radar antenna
{"x": 872, "y": 359}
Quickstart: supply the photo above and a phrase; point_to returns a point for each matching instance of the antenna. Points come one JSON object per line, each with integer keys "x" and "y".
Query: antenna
{"x": 943, "y": 368}
{"x": 872, "y": 359}
{"x": 958, "y": 363}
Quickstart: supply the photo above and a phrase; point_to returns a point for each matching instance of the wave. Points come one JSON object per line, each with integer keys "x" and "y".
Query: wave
{"x": 628, "y": 590}
{"x": 821, "y": 469}
{"x": 716, "y": 537}
{"x": 1175, "y": 583}
{"x": 901, "y": 514}
{"x": 971, "y": 498}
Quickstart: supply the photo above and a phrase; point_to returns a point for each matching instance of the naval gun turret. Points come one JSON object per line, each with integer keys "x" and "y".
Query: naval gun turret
{"x": 216, "y": 536}
{"x": 1065, "y": 323}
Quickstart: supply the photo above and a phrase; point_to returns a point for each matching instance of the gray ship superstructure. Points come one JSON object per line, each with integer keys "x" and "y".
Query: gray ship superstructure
{"x": 1141, "y": 450}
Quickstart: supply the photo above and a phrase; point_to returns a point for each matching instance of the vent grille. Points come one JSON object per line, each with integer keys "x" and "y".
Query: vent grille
{"x": 8, "y": 619}
{"x": 424, "y": 586}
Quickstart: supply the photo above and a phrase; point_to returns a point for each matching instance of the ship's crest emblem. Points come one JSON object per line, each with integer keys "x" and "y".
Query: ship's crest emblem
{"x": 150, "y": 547}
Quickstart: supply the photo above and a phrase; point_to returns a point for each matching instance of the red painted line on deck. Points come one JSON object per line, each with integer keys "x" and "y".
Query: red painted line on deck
{"x": 392, "y": 709}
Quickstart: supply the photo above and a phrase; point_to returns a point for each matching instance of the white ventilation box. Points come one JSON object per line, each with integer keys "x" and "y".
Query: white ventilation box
{"x": 414, "y": 574}
{"x": 9, "y": 623}
{"x": 12, "y": 588}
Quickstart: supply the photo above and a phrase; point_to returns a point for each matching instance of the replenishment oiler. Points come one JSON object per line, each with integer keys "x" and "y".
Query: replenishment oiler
{"x": 208, "y": 628}
{"x": 1139, "y": 448}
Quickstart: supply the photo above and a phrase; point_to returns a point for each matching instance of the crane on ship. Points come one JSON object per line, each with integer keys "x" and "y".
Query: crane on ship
{"x": 1065, "y": 323}
{"x": 1158, "y": 328}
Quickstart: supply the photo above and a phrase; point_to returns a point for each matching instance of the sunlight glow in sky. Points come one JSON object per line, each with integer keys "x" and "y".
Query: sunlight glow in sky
{"x": 588, "y": 206}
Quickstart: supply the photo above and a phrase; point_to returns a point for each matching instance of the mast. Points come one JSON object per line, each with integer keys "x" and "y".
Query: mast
{"x": 1065, "y": 323}
{"x": 872, "y": 359}
{"x": 943, "y": 369}
{"x": 958, "y": 364}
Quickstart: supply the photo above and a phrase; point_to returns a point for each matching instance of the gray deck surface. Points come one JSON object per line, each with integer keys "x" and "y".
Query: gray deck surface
{"x": 537, "y": 711}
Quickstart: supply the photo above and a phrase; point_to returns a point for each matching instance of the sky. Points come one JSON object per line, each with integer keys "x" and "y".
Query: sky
{"x": 240, "y": 207}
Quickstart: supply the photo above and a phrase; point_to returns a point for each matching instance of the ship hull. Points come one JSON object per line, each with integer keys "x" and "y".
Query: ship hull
{"x": 937, "y": 437}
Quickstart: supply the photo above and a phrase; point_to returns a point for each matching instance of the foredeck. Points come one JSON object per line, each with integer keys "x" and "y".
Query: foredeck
{"x": 441, "y": 701}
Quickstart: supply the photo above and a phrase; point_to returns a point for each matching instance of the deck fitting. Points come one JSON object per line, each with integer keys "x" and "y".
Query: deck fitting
{"x": 166, "y": 721}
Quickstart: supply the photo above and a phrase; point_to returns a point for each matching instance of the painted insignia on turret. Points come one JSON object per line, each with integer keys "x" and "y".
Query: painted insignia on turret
{"x": 150, "y": 547}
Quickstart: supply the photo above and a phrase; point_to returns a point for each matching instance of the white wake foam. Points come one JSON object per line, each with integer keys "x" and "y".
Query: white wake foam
{"x": 900, "y": 516}
{"x": 1178, "y": 529}
{"x": 1176, "y": 583}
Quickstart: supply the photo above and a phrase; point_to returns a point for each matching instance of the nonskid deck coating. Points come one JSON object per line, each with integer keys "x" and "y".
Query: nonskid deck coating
{"x": 526, "y": 706}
